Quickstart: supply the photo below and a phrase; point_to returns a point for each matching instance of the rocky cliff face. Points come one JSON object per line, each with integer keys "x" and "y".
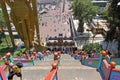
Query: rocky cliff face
{"x": 112, "y": 46}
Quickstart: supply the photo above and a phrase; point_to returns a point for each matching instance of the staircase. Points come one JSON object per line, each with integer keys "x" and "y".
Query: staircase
{"x": 37, "y": 72}
{"x": 69, "y": 69}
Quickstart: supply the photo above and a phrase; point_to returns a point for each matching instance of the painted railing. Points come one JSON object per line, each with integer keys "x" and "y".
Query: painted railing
{"x": 4, "y": 72}
{"x": 2, "y": 62}
{"x": 114, "y": 74}
{"x": 108, "y": 71}
{"x": 4, "y": 69}
{"x": 117, "y": 60}
{"x": 104, "y": 69}
{"x": 92, "y": 62}
{"x": 0, "y": 73}
{"x": 102, "y": 64}
{"x": 25, "y": 62}
{"x": 53, "y": 73}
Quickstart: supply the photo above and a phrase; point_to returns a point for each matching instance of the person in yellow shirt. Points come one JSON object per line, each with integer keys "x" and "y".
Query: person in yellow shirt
{"x": 15, "y": 71}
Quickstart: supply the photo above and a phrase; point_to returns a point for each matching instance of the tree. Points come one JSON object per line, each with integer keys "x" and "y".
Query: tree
{"x": 113, "y": 17}
{"x": 2, "y": 25}
{"x": 114, "y": 14}
{"x": 104, "y": 13}
{"x": 83, "y": 10}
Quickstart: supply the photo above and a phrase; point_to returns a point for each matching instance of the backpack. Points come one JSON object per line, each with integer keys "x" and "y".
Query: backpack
{"x": 19, "y": 64}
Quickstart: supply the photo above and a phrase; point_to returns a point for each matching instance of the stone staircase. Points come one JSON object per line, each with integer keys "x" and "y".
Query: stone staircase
{"x": 69, "y": 69}
{"x": 37, "y": 72}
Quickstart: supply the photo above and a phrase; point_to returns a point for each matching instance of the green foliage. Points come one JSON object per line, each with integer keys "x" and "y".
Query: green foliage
{"x": 112, "y": 14}
{"x": 2, "y": 35}
{"x": 104, "y": 13}
{"x": 2, "y": 24}
{"x": 17, "y": 53}
{"x": 4, "y": 49}
{"x": 6, "y": 41}
{"x": 95, "y": 46}
{"x": 5, "y": 46}
{"x": 23, "y": 50}
{"x": 0, "y": 56}
{"x": 83, "y": 10}
{"x": 2, "y": 21}
{"x": 113, "y": 8}
{"x": 20, "y": 52}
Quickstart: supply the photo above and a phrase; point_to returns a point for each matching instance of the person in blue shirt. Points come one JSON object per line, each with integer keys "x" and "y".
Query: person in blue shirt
{"x": 9, "y": 60}
{"x": 9, "y": 56}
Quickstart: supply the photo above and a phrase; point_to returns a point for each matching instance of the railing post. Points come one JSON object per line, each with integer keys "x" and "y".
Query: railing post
{"x": 103, "y": 54}
{"x": 54, "y": 65}
{"x": 108, "y": 73}
{"x": 112, "y": 65}
{"x": 100, "y": 62}
{"x": 58, "y": 60}
{"x": 55, "y": 56}
{"x": 33, "y": 61}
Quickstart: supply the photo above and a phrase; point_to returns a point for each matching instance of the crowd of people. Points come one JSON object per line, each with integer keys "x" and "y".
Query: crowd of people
{"x": 15, "y": 68}
{"x": 91, "y": 54}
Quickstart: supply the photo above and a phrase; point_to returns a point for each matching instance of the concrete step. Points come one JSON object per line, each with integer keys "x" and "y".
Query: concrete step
{"x": 78, "y": 74}
{"x": 71, "y": 69}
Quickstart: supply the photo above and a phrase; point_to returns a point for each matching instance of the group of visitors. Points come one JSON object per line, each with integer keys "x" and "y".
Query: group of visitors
{"x": 41, "y": 55}
{"x": 15, "y": 68}
{"x": 91, "y": 54}
{"x": 34, "y": 55}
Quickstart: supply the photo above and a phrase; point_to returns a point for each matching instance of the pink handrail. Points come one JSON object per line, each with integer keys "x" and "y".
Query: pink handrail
{"x": 53, "y": 72}
{"x": 116, "y": 70}
{"x": 106, "y": 63}
{"x": 51, "y": 75}
{"x": 92, "y": 59}
{"x": 2, "y": 72}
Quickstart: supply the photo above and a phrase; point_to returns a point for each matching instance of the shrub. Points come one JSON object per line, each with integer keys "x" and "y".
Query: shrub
{"x": 95, "y": 46}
